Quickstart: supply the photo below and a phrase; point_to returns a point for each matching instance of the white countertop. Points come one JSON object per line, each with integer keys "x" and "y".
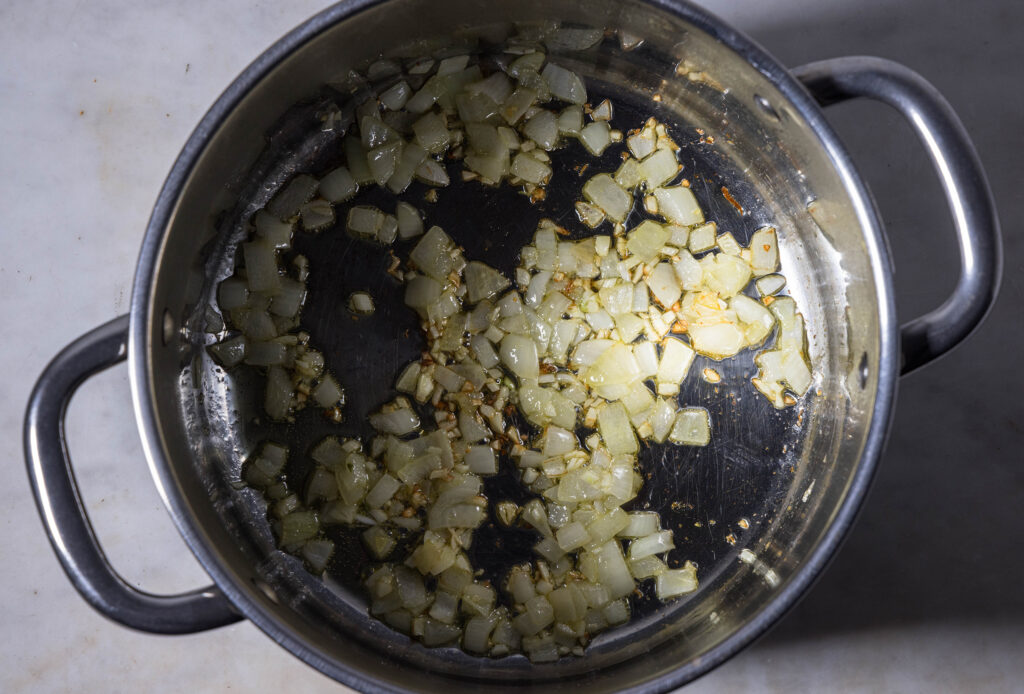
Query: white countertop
{"x": 97, "y": 98}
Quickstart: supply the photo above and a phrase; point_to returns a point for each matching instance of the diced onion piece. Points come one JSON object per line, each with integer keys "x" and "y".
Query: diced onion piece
{"x": 758, "y": 319}
{"x": 589, "y": 214}
{"x": 273, "y": 231}
{"x": 629, "y": 174}
{"x": 646, "y": 240}
{"x": 383, "y": 490}
{"x": 564, "y": 84}
{"x": 717, "y": 341}
{"x": 496, "y": 86}
{"x": 648, "y": 567}
{"x": 612, "y": 570}
{"x": 646, "y": 355}
{"x": 338, "y": 185}
{"x": 573, "y": 39}
{"x": 678, "y": 205}
{"x": 531, "y": 170}
{"x": 232, "y": 293}
{"x": 664, "y": 285}
{"x": 398, "y": 422}
{"x": 265, "y": 353}
{"x": 298, "y": 527}
{"x": 409, "y": 164}
{"x": 316, "y": 215}
{"x": 229, "y": 352}
{"x": 692, "y": 427}
{"x": 519, "y": 354}
{"x": 492, "y": 168}
{"x": 317, "y": 553}
{"x": 655, "y": 543}
{"x": 602, "y": 112}
{"x": 770, "y": 285}
{"x": 364, "y": 221}
{"x": 728, "y": 244}
{"x": 396, "y": 96}
{"x": 596, "y": 137}
{"x": 361, "y": 302}
{"x": 659, "y": 168}
{"x": 483, "y": 281}
{"x": 477, "y": 633}
{"x": 570, "y": 120}
{"x": 378, "y": 541}
{"x": 481, "y": 460}
{"x": 542, "y": 128}
{"x": 432, "y": 173}
{"x": 676, "y": 358}
{"x": 688, "y": 271}
{"x": 355, "y": 156}
{"x": 603, "y": 191}
{"x": 661, "y": 419}
{"x": 703, "y": 238}
{"x": 616, "y": 429}
{"x": 642, "y": 143}
{"x": 795, "y": 372}
{"x": 435, "y": 254}
{"x": 764, "y": 253}
{"x": 388, "y": 231}
{"x": 375, "y": 132}
{"x": 261, "y": 267}
{"x": 678, "y": 236}
{"x": 328, "y": 393}
{"x": 431, "y": 133}
{"x": 517, "y": 104}
{"x": 675, "y": 582}
{"x": 572, "y": 536}
{"x": 726, "y": 274}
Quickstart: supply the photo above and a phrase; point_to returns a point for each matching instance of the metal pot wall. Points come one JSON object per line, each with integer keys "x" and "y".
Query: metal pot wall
{"x": 801, "y": 479}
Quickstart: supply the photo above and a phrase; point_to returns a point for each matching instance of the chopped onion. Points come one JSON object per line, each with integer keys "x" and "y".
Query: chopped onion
{"x": 692, "y": 427}
{"x": 770, "y": 284}
{"x": 564, "y": 84}
{"x": 273, "y": 231}
{"x": 678, "y": 204}
{"x": 703, "y": 238}
{"x": 587, "y": 337}
{"x": 317, "y": 214}
{"x": 764, "y": 253}
{"x": 603, "y": 191}
{"x": 360, "y": 302}
{"x": 530, "y": 169}
{"x": 542, "y": 128}
{"x": 655, "y": 543}
{"x": 596, "y": 137}
{"x": 519, "y": 354}
{"x": 675, "y": 582}
{"x": 659, "y": 168}
{"x": 398, "y": 422}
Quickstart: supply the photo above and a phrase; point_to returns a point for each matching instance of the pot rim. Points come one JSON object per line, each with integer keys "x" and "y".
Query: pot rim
{"x": 142, "y": 315}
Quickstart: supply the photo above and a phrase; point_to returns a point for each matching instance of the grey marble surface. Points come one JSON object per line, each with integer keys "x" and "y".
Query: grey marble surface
{"x": 96, "y": 99}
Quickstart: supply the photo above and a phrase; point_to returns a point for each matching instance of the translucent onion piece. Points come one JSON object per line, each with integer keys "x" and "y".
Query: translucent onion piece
{"x": 678, "y": 205}
{"x": 603, "y": 191}
{"x": 564, "y": 84}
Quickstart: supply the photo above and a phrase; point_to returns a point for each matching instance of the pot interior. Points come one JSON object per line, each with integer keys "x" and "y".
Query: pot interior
{"x": 785, "y": 473}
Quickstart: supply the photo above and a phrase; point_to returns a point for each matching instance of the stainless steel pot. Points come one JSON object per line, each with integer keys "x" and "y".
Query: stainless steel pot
{"x": 799, "y": 477}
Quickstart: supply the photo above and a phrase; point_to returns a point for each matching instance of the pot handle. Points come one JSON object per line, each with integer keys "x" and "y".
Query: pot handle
{"x": 928, "y": 337}
{"x": 64, "y": 515}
